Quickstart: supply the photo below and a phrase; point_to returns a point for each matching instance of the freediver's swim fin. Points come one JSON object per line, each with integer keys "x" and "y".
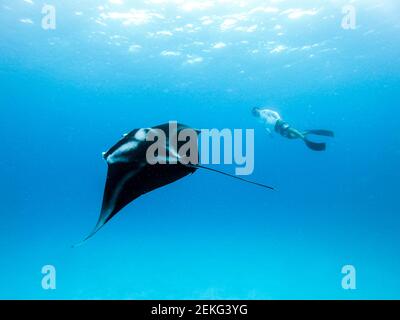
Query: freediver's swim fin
{"x": 316, "y": 146}
{"x": 325, "y": 133}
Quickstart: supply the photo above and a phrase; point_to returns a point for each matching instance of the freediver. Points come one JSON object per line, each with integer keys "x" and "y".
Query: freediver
{"x": 272, "y": 118}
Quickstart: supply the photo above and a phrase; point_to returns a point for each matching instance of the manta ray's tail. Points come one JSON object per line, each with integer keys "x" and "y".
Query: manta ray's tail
{"x": 232, "y": 176}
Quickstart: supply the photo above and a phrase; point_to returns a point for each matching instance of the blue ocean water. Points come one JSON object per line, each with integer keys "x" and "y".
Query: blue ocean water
{"x": 69, "y": 93}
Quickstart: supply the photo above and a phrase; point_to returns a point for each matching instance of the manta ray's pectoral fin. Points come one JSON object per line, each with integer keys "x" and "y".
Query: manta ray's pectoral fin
{"x": 116, "y": 192}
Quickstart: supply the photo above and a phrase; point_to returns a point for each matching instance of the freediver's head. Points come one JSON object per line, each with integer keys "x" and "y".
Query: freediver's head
{"x": 256, "y": 111}
{"x": 267, "y": 115}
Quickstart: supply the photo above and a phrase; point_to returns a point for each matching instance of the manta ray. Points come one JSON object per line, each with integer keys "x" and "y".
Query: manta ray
{"x": 130, "y": 174}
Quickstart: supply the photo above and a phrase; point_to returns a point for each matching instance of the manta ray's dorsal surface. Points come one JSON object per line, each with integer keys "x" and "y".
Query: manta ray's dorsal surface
{"x": 130, "y": 175}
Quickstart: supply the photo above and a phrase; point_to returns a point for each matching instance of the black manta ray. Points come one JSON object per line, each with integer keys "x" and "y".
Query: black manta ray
{"x": 130, "y": 174}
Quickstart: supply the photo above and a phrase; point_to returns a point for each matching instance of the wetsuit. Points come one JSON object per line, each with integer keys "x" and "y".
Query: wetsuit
{"x": 285, "y": 130}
